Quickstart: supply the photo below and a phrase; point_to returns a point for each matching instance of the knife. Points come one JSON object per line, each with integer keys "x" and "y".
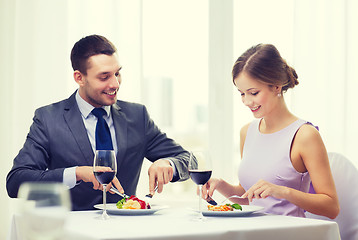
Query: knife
{"x": 115, "y": 190}
{"x": 211, "y": 201}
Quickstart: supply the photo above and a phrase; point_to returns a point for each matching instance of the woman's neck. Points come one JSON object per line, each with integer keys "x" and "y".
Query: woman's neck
{"x": 277, "y": 120}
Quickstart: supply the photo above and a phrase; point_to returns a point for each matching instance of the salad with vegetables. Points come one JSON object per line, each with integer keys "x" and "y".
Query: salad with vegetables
{"x": 132, "y": 203}
{"x": 225, "y": 207}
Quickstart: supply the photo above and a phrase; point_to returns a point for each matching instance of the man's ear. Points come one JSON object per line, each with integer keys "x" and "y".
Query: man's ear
{"x": 79, "y": 78}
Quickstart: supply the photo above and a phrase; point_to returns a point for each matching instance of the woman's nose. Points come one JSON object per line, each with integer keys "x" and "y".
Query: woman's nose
{"x": 247, "y": 101}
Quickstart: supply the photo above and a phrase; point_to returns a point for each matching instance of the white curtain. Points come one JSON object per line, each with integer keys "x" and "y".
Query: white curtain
{"x": 317, "y": 37}
{"x": 326, "y": 57}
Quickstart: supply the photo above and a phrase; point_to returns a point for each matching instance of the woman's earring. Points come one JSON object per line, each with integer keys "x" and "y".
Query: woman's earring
{"x": 279, "y": 95}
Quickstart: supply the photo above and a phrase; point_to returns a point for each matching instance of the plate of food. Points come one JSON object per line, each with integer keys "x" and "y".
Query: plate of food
{"x": 130, "y": 206}
{"x": 231, "y": 210}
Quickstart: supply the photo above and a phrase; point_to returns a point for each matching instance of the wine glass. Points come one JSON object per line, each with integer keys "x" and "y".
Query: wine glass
{"x": 104, "y": 169}
{"x": 44, "y": 209}
{"x": 200, "y": 169}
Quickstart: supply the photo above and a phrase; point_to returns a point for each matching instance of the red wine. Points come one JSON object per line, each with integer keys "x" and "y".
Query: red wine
{"x": 200, "y": 177}
{"x": 104, "y": 177}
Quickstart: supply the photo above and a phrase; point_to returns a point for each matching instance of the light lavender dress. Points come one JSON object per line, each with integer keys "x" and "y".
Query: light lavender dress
{"x": 267, "y": 157}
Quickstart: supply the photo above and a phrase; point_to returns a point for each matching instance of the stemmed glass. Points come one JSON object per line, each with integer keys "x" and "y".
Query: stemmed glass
{"x": 44, "y": 209}
{"x": 104, "y": 169}
{"x": 200, "y": 169}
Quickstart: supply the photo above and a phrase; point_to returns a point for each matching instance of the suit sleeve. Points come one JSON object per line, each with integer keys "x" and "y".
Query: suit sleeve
{"x": 32, "y": 162}
{"x": 160, "y": 146}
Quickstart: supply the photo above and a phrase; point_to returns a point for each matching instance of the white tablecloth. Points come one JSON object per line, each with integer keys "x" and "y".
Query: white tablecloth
{"x": 176, "y": 223}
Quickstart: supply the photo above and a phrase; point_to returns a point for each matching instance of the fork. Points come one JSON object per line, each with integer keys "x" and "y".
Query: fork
{"x": 233, "y": 196}
{"x": 149, "y": 195}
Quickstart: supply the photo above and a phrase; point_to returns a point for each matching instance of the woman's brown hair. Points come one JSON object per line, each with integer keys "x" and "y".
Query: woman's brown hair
{"x": 265, "y": 63}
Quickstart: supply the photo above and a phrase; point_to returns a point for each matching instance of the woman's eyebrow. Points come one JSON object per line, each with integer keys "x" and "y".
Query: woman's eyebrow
{"x": 249, "y": 89}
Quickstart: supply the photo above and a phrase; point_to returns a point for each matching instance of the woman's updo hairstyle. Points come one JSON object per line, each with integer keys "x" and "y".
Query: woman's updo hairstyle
{"x": 264, "y": 62}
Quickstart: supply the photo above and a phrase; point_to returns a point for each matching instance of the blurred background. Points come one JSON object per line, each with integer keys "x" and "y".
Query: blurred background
{"x": 177, "y": 57}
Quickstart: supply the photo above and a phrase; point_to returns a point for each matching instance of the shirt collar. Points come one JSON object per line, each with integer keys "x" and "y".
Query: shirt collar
{"x": 86, "y": 108}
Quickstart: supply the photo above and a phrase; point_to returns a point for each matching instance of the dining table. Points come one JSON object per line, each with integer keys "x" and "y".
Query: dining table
{"x": 179, "y": 221}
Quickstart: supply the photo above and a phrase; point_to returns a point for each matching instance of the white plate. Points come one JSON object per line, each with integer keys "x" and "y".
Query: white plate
{"x": 246, "y": 210}
{"x": 112, "y": 209}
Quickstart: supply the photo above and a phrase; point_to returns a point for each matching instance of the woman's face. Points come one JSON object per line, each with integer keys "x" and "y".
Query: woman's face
{"x": 259, "y": 97}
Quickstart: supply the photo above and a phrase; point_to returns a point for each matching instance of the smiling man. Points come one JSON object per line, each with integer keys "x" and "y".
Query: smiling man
{"x": 62, "y": 139}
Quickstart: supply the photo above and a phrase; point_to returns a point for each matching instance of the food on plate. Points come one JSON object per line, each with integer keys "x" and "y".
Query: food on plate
{"x": 225, "y": 207}
{"x": 132, "y": 203}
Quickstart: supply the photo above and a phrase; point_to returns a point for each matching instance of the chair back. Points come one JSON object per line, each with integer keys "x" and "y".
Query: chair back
{"x": 345, "y": 176}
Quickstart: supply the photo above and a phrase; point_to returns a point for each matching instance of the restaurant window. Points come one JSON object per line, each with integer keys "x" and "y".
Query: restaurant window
{"x": 174, "y": 84}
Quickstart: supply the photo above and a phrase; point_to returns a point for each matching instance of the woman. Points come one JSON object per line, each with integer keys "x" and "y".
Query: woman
{"x": 280, "y": 152}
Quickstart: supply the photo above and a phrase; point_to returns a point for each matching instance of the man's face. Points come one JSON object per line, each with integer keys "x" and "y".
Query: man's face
{"x": 100, "y": 85}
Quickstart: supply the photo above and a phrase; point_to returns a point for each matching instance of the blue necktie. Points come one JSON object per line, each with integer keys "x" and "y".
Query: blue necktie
{"x": 103, "y": 135}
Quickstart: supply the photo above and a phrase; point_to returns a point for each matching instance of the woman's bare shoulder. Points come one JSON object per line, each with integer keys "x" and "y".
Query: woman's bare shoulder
{"x": 308, "y": 132}
{"x": 244, "y": 129}
{"x": 309, "y": 141}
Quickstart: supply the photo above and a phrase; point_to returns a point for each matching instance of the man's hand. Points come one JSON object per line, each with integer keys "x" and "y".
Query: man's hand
{"x": 85, "y": 173}
{"x": 117, "y": 185}
{"x": 160, "y": 173}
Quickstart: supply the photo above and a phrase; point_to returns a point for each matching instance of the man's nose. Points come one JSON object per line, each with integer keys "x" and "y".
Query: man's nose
{"x": 115, "y": 81}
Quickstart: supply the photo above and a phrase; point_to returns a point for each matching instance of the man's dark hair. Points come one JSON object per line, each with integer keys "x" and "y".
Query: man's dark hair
{"x": 87, "y": 47}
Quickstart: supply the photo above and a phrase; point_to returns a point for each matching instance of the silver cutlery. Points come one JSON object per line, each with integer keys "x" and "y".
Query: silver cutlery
{"x": 115, "y": 190}
{"x": 233, "y": 196}
{"x": 211, "y": 201}
{"x": 151, "y": 195}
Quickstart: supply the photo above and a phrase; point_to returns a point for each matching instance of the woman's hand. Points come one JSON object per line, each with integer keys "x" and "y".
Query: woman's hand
{"x": 209, "y": 188}
{"x": 263, "y": 189}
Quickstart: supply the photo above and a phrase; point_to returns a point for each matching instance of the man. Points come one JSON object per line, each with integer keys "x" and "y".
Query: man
{"x": 62, "y": 139}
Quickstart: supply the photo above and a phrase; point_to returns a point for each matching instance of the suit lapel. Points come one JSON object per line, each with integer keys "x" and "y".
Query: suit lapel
{"x": 120, "y": 126}
{"x": 74, "y": 120}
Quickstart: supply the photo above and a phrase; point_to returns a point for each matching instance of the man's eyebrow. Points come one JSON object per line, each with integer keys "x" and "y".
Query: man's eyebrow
{"x": 104, "y": 73}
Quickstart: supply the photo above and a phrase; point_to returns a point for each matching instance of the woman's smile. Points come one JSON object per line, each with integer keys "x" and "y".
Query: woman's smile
{"x": 255, "y": 109}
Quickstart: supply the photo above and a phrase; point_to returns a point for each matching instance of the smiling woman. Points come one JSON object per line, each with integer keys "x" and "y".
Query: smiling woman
{"x": 288, "y": 150}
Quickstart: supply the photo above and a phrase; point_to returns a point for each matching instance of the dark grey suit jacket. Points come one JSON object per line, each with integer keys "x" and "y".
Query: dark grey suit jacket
{"x": 58, "y": 140}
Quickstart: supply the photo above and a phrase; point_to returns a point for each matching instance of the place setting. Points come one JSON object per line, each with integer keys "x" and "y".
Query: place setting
{"x": 127, "y": 207}
{"x": 105, "y": 169}
{"x": 200, "y": 170}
